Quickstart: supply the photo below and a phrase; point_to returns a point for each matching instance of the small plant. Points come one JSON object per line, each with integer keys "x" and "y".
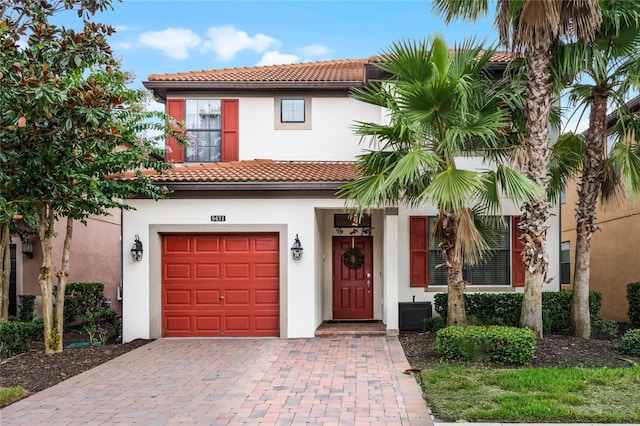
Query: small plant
{"x": 507, "y": 345}
{"x": 26, "y": 305}
{"x": 16, "y": 336}
{"x": 433, "y": 324}
{"x": 80, "y": 299}
{"x": 8, "y": 395}
{"x": 633, "y": 297}
{"x": 100, "y": 325}
{"x": 602, "y": 328}
{"x": 631, "y": 342}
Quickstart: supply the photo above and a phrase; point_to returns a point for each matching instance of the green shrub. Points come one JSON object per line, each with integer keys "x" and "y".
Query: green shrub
{"x": 16, "y": 336}
{"x": 509, "y": 345}
{"x": 433, "y": 324}
{"x": 602, "y": 328}
{"x": 101, "y": 325}
{"x": 80, "y": 299}
{"x": 504, "y": 308}
{"x": 631, "y": 342}
{"x": 27, "y": 306}
{"x": 633, "y": 297}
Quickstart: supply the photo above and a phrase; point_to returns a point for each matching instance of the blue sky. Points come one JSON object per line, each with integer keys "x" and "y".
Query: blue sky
{"x": 174, "y": 36}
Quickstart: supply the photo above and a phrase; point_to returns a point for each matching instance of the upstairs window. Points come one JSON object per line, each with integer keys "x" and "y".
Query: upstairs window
{"x": 565, "y": 262}
{"x": 292, "y": 111}
{"x": 203, "y": 120}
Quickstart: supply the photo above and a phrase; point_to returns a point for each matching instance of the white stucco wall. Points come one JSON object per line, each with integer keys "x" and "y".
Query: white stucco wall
{"x": 298, "y": 289}
{"x": 331, "y": 137}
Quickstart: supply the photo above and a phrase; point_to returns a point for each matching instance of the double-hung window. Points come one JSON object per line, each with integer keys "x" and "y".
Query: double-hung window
{"x": 494, "y": 271}
{"x": 203, "y": 120}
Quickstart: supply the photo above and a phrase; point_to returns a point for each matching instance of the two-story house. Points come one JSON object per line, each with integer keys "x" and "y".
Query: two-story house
{"x": 253, "y": 241}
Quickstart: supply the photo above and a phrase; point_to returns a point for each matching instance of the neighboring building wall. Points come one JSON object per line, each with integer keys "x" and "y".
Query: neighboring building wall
{"x": 95, "y": 257}
{"x": 613, "y": 247}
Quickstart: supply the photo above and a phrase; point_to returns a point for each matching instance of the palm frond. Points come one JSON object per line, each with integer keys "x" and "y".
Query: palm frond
{"x": 627, "y": 166}
{"x": 452, "y": 189}
{"x": 565, "y": 162}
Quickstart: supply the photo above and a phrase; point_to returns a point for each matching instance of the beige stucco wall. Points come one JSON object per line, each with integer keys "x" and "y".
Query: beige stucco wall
{"x": 95, "y": 257}
{"x": 614, "y": 250}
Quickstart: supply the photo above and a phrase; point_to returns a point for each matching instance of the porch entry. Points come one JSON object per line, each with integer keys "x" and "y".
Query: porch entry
{"x": 352, "y": 278}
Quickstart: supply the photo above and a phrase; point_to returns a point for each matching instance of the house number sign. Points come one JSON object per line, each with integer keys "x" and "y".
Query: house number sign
{"x": 218, "y": 218}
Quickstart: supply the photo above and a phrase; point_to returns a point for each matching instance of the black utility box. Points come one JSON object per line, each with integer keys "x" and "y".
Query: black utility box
{"x": 412, "y": 315}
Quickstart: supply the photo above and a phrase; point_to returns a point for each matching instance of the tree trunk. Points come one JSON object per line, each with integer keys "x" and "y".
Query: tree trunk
{"x": 5, "y": 260}
{"x": 536, "y": 214}
{"x": 46, "y": 220}
{"x": 63, "y": 276}
{"x": 456, "y": 311}
{"x": 590, "y": 185}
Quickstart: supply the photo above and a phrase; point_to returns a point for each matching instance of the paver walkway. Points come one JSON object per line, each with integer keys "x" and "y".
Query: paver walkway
{"x": 334, "y": 381}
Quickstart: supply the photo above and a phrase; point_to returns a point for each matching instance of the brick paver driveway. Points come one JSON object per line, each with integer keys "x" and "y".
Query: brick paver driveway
{"x": 341, "y": 381}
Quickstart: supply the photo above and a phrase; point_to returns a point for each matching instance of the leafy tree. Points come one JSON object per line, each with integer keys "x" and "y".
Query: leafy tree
{"x": 532, "y": 27}
{"x": 70, "y": 125}
{"x": 15, "y": 18}
{"x": 603, "y": 73}
{"x": 442, "y": 106}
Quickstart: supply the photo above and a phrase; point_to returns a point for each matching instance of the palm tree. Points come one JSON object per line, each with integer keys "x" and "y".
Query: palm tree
{"x": 442, "y": 105}
{"x": 532, "y": 27}
{"x": 607, "y": 69}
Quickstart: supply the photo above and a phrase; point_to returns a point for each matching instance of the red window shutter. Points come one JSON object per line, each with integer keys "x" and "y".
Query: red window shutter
{"x": 230, "y": 151}
{"x": 419, "y": 251}
{"x": 517, "y": 265}
{"x": 175, "y": 108}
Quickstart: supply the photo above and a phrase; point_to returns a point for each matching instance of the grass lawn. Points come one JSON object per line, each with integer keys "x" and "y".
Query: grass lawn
{"x": 538, "y": 395}
{"x": 7, "y": 395}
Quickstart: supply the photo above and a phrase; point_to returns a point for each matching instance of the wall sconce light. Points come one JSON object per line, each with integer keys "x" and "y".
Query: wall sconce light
{"x": 27, "y": 248}
{"x": 296, "y": 249}
{"x": 136, "y": 249}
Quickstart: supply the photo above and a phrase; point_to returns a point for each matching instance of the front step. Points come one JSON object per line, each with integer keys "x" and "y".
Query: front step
{"x": 351, "y": 328}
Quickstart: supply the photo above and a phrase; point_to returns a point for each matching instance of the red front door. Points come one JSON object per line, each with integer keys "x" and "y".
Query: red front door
{"x": 352, "y": 278}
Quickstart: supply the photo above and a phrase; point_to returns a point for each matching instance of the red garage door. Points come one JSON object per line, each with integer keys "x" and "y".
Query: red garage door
{"x": 220, "y": 285}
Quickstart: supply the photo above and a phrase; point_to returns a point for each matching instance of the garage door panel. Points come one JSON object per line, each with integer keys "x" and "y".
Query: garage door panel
{"x": 177, "y": 324}
{"x": 266, "y": 270}
{"x": 177, "y": 244}
{"x": 237, "y": 297}
{"x": 237, "y": 270}
{"x": 266, "y": 297}
{"x": 237, "y": 323}
{"x": 177, "y": 297}
{"x": 266, "y": 245}
{"x": 237, "y": 244}
{"x": 207, "y": 244}
{"x": 207, "y": 270}
{"x": 267, "y": 322}
{"x": 200, "y": 269}
{"x": 207, "y": 297}
{"x": 177, "y": 270}
{"x": 207, "y": 323}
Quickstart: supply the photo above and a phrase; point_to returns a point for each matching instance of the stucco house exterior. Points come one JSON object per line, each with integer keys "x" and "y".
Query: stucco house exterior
{"x": 270, "y": 147}
{"x": 612, "y": 267}
{"x": 95, "y": 257}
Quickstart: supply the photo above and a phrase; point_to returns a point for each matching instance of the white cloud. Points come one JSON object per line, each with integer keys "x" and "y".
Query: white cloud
{"x": 314, "y": 51}
{"x": 122, "y": 45}
{"x": 227, "y": 41}
{"x": 121, "y": 28}
{"x": 175, "y": 42}
{"x": 277, "y": 58}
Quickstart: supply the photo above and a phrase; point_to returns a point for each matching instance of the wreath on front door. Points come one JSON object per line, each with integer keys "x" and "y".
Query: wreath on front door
{"x": 353, "y": 258}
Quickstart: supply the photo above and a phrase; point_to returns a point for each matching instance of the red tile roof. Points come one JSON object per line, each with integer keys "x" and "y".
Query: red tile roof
{"x": 323, "y": 71}
{"x": 337, "y": 70}
{"x": 262, "y": 171}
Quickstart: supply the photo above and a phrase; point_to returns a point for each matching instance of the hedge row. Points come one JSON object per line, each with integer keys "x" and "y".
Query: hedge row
{"x": 16, "y": 336}
{"x": 504, "y": 308}
{"x": 509, "y": 345}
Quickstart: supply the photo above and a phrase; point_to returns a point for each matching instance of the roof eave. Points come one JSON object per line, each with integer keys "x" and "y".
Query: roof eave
{"x": 161, "y": 88}
{"x": 253, "y": 186}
